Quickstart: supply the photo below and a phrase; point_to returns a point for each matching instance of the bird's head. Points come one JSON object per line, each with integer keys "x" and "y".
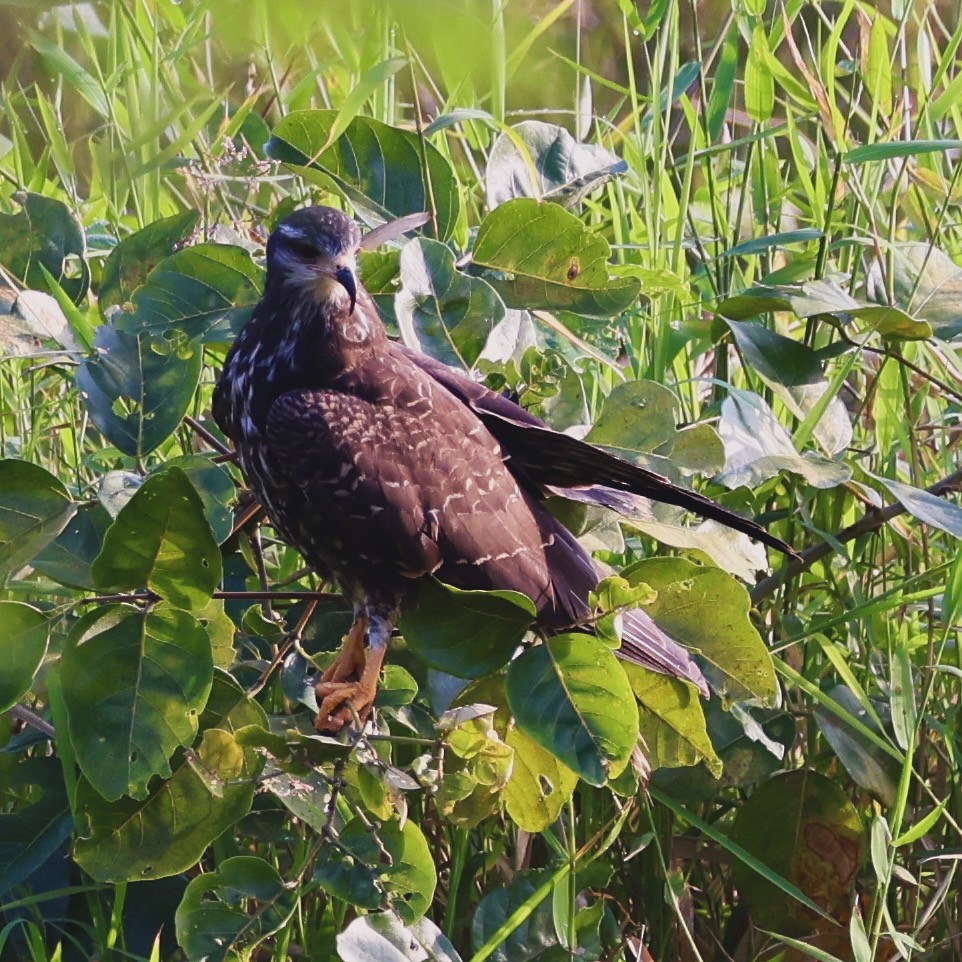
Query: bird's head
{"x": 314, "y": 252}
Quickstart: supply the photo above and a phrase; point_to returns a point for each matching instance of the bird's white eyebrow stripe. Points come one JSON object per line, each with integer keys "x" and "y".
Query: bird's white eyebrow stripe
{"x": 289, "y": 230}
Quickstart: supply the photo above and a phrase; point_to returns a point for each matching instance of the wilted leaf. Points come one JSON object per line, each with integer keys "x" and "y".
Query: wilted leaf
{"x": 440, "y": 310}
{"x": 135, "y": 256}
{"x": 167, "y": 832}
{"x": 34, "y": 508}
{"x": 571, "y": 696}
{"x": 136, "y": 389}
{"x": 385, "y": 172}
{"x": 161, "y": 540}
{"x": 126, "y": 722}
{"x": 250, "y": 902}
{"x": 45, "y": 234}
{"x": 757, "y": 447}
{"x": 205, "y": 292}
{"x": 23, "y": 643}
{"x": 562, "y": 169}
{"x": 465, "y": 633}
{"x": 706, "y": 610}
{"x": 552, "y": 261}
{"x": 804, "y": 827}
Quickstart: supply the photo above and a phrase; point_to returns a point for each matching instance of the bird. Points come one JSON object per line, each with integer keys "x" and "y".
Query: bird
{"x": 383, "y": 466}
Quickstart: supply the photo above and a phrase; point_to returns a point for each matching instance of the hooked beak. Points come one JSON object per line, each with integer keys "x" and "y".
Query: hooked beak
{"x": 345, "y": 277}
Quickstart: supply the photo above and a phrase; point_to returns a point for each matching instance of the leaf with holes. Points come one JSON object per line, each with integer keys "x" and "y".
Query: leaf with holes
{"x": 572, "y": 697}
{"x": 440, "y": 310}
{"x": 136, "y": 255}
{"x": 126, "y": 723}
{"x": 228, "y": 912}
{"x": 34, "y": 508}
{"x": 205, "y": 292}
{"x": 23, "y": 643}
{"x": 539, "y": 784}
{"x": 161, "y": 540}
{"x": 44, "y": 235}
{"x": 136, "y": 388}
{"x": 546, "y": 258}
{"x": 167, "y": 832}
{"x": 385, "y": 172}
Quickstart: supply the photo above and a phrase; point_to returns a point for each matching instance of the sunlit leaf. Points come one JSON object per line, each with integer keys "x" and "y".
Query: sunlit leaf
{"x": 23, "y": 643}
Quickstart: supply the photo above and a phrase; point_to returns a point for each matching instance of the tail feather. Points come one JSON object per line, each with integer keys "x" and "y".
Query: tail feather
{"x": 644, "y": 643}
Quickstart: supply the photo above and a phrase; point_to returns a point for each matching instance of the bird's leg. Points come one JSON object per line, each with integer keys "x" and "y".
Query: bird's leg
{"x": 351, "y": 682}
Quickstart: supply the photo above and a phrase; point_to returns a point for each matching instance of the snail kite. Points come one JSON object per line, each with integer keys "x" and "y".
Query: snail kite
{"x": 381, "y": 465}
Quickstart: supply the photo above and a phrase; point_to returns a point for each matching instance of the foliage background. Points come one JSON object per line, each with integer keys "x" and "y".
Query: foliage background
{"x": 780, "y": 183}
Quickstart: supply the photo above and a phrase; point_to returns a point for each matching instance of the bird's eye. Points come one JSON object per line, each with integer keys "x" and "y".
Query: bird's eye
{"x": 303, "y": 250}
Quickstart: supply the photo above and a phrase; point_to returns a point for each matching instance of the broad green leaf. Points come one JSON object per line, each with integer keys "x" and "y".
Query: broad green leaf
{"x": 136, "y": 388}
{"x": 24, "y": 633}
{"x": 528, "y": 941}
{"x": 752, "y": 302}
{"x": 803, "y": 826}
{"x": 571, "y": 696}
{"x": 34, "y": 508}
{"x": 539, "y": 784}
{"x": 671, "y": 721}
{"x": 891, "y": 322}
{"x": 562, "y": 169}
{"x": 757, "y": 447}
{"x": 161, "y": 540}
{"x": 228, "y": 912}
{"x": 707, "y": 610}
{"x": 205, "y": 292}
{"x": 638, "y": 418}
{"x": 128, "y": 264}
{"x": 68, "y": 559}
{"x": 128, "y": 720}
{"x": 349, "y": 871}
{"x": 385, "y": 172}
{"x": 45, "y": 234}
{"x": 213, "y": 483}
{"x": 383, "y": 937}
{"x": 30, "y": 835}
{"x": 411, "y": 878}
{"x": 792, "y": 370}
{"x": 440, "y": 310}
{"x": 552, "y": 261}
{"x": 167, "y": 832}
{"x": 465, "y": 633}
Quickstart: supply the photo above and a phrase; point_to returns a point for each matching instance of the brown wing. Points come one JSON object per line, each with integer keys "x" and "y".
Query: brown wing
{"x": 551, "y": 459}
{"x": 419, "y": 485}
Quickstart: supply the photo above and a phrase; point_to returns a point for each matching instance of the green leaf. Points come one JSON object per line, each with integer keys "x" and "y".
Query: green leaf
{"x": 385, "y": 172}
{"x": 562, "y": 170}
{"x": 137, "y": 388}
{"x": 440, "y": 310}
{"x": 758, "y": 245}
{"x": 891, "y": 322}
{"x": 167, "y": 832}
{"x": 228, "y": 912}
{"x": 803, "y": 826}
{"x": 899, "y": 148}
{"x": 759, "y": 84}
{"x": 34, "y": 508}
{"x": 205, "y": 292}
{"x": 348, "y": 871}
{"x": 213, "y": 483}
{"x": 45, "y": 234}
{"x": 671, "y": 721}
{"x": 58, "y": 60}
{"x": 68, "y": 559}
{"x": 128, "y": 264}
{"x": 411, "y": 878}
{"x": 23, "y": 643}
{"x": 539, "y": 784}
{"x": 383, "y": 937}
{"x": 529, "y": 940}
{"x": 707, "y": 610}
{"x": 127, "y": 721}
{"x": 554, "y": 261}
{"x": 758, "y": 447}
{"x": 465, "y": 633}
{"x": 571, "y": 696}
{"x": 161, "y": 540}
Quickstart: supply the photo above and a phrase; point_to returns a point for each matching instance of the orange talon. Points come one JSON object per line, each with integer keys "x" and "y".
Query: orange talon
{"x": 350, "y": 682}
